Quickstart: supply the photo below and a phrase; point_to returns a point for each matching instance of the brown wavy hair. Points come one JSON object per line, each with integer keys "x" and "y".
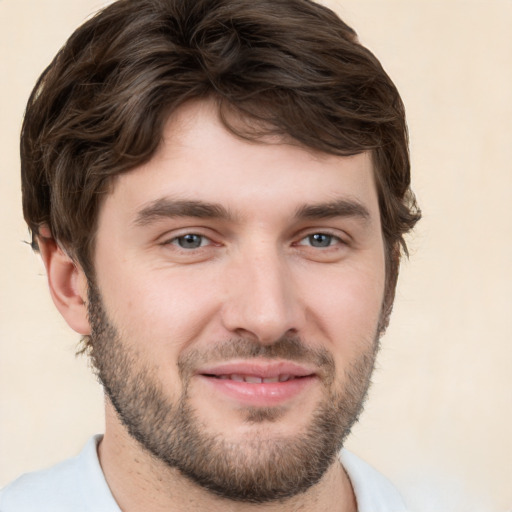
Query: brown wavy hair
{"x": 286, "y": 67}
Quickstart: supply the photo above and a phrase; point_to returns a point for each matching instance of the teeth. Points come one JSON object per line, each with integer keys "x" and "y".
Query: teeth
{"x": 252, "y": 379}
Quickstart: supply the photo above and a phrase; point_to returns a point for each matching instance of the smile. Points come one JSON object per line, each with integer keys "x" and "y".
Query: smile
{"x": 254, "y": 379}
{"x": 257, "y": 383}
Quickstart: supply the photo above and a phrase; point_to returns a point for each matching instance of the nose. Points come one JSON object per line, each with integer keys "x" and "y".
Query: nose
{"x": 262, "y": 299}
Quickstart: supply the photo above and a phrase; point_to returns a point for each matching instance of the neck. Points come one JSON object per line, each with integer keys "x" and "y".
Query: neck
{"x": 138, "y": 481}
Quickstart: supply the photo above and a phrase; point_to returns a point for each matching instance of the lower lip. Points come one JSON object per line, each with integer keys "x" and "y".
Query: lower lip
{"x": 262, "y": 394}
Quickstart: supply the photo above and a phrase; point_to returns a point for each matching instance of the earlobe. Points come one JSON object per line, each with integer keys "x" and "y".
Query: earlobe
{"x": 67, "y": 283}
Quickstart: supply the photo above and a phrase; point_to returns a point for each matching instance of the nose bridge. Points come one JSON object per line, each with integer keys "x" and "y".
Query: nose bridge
{"x": 262, "y": 300}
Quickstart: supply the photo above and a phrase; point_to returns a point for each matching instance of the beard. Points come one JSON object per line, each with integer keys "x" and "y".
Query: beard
{"x": 259, "y": 468}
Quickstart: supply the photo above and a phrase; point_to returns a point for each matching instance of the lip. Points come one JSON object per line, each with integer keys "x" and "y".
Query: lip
{"x": 258, "y": 394}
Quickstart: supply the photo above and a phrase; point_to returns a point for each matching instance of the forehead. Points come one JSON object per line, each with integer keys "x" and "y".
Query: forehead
{"x": 200, "y": 160}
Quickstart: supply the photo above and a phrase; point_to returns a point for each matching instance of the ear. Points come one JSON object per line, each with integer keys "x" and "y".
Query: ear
{"x": 67, "y": 283}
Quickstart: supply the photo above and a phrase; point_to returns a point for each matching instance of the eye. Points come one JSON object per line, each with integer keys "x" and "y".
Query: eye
{"x": 320, "y": 240}
{"x": 190, "y": 241}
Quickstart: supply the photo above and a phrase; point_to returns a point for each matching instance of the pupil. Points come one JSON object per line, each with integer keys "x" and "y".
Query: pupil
{"x": 190, "y": 241}
{"x": 320, "y": 240}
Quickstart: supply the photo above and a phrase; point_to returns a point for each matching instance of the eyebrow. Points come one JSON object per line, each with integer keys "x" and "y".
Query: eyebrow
{"x": 336, "y": 208}
{"x": 168, "y": 208}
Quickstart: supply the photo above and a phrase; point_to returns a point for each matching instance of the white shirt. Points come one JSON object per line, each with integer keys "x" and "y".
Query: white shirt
{"x": 78, "y": 485}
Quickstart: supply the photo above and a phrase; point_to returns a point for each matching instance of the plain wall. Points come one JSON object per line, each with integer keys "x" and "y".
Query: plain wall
{"x": 438, "y": 421}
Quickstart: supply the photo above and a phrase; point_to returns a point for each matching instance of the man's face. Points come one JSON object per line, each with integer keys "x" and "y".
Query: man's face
{"x": 236, "y": 304}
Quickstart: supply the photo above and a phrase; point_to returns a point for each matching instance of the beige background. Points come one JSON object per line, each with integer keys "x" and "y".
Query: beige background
{"x": 438, "y": 421}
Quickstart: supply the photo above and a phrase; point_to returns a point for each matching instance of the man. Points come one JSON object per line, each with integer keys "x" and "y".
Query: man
{"x": 219, "y": 191}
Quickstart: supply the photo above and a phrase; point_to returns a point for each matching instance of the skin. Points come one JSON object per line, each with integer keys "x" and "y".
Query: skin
{"x": 258, "y": 274}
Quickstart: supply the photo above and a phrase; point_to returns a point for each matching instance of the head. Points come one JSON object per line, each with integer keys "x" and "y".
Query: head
{"x": 99, "y": 109}
{"x": 114, "y": 99}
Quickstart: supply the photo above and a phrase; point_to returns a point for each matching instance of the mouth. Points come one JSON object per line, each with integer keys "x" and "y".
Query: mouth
{"x": 255, "y": 379}
{"x": 258, "y": 383}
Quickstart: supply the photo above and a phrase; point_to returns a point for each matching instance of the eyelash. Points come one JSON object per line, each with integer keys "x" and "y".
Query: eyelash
{"x": 330, "y": 236}
{"x": 176, "y": 241}
{"x": 206, "y": 241}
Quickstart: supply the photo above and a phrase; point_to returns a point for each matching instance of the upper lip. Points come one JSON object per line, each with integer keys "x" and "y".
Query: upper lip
{"x": 258, "y": 368}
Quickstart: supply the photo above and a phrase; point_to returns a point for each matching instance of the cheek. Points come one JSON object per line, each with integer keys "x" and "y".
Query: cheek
{"x": 160, "y": 311}
{"x": 346, "y": 306}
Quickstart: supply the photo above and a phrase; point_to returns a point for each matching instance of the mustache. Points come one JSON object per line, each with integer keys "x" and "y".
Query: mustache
{"x": 290, "y": 348}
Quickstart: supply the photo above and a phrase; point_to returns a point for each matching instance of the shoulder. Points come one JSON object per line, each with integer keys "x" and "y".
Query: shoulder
{"x": 76, "y": 484}
{"x": 374, "y": 492}
{"x": 56, "y": 487}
